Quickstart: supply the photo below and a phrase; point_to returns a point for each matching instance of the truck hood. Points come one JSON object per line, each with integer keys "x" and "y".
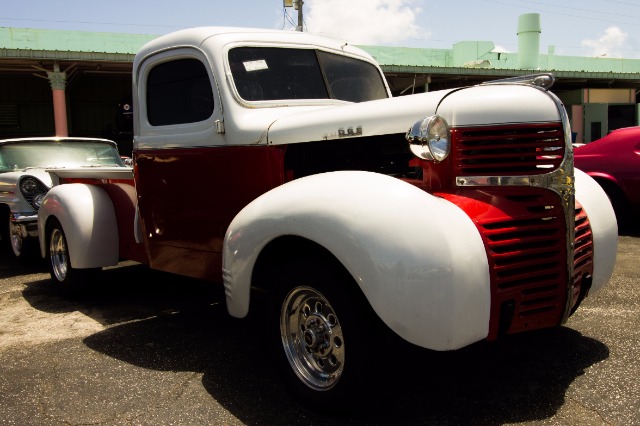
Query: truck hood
{"x": 471, "y": 106}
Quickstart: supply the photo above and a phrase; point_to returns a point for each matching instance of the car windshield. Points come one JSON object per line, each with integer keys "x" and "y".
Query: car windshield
{"x": 22, "y": 155}
{"x": 271, "y": 73}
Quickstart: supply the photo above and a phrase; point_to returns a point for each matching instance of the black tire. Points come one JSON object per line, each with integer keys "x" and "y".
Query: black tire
{"x": 619, "y": 203}
{"x": 322, "y": 331}
{"x": 68, "y": 279}
{"x": 4, "y": 228}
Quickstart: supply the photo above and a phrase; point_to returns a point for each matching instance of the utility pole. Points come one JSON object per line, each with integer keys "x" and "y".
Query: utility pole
{"x": 297, "y": 5}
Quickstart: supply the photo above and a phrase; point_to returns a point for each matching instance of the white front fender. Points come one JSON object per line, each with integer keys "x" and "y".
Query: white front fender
{"x": 419, "y": 259}
{"x": 89, "y": 223}
{"x": 604, "y": 227}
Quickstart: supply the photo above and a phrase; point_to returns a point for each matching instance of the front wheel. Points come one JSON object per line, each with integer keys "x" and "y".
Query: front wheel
{"x": 324, "y": 335}
{"x": 312, "y": 338}
{"x": 68, "y": 278}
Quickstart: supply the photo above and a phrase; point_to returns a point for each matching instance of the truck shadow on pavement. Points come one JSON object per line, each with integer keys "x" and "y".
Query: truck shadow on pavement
{"x": 632, "y": 230}
{"x": 168, "y": 323}
{"x": 10, "y": 268}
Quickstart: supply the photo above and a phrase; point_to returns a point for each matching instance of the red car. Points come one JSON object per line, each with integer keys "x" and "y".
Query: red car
{"x": 614, "y": 162}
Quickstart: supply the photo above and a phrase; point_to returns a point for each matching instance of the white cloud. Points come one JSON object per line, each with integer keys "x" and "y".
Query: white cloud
{"x": 383, "y": 22}
{"x": 610, "y": 44}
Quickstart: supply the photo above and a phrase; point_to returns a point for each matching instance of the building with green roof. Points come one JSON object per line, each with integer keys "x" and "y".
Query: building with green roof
{"x": 92, "y": 71}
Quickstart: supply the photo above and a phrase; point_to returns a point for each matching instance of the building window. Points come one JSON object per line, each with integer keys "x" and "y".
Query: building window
{"x": 9, "y": 116}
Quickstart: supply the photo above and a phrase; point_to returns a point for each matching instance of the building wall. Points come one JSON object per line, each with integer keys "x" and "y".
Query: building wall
{"x": 92, "y": 104}
{"x": 26, "y": 107}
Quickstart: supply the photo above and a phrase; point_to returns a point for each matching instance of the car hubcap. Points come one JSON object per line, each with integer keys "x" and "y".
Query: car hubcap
{"x": 15, "y": 238}
{"x": 312, "y": 338}
{"x": 58, "y": 255}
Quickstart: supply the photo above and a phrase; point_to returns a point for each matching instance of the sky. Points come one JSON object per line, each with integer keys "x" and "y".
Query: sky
{"x": 603, "y": 28}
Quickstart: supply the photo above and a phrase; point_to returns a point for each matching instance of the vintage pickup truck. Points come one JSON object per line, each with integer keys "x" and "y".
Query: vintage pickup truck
{"x": 280, "y": 162}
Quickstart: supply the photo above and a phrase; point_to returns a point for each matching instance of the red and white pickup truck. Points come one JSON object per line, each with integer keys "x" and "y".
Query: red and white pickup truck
{"x": 279, "y": 161}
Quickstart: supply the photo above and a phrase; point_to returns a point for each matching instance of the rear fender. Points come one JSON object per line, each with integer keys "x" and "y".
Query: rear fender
{"x": 418, "y": 259}
{"x": 88, "y": 220}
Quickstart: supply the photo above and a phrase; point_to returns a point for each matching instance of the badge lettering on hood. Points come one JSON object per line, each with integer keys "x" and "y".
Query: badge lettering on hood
{"x": 349, "y": 132}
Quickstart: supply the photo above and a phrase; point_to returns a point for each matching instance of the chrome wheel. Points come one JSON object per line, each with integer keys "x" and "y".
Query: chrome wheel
{"x": 58, "y": 255}
{"x": 16, "y": 240}
{"x": 312, "y": 338}
{"x": 69, "y": 280}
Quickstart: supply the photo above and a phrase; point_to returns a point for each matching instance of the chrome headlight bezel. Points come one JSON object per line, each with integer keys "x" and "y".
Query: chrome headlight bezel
{"x": 33, "y": 191}
{"x": 430, "y": 138}
{"x": 28, "y": 186}
{"x": 38, "y": 199}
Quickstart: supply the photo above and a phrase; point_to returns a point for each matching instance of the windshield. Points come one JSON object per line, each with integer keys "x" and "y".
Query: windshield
{"x": 22, "y": 155}
{"x": 272, "y": 73}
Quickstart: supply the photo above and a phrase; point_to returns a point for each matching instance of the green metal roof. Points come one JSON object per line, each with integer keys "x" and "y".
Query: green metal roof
{"x": 79, "y": 41}
{"x": 472, "y": 57}
{"x": 478, "y": 57}
{"x": 29, "y": 43}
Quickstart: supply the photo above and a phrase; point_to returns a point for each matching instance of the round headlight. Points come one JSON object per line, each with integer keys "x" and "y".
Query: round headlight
{"x": 37, "y": 200}
{"x": 430, "y": 138}
{"x": 28, "y": 186}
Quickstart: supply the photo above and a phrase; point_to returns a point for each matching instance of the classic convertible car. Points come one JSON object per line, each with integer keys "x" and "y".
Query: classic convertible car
{"x": 24, "y": 180}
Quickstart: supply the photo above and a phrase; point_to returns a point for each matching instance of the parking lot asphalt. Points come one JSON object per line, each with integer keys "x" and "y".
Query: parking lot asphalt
{"x": 148, "y": 348}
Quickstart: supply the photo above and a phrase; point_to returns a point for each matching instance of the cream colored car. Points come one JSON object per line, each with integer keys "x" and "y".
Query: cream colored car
{"x": 24, "y": 181}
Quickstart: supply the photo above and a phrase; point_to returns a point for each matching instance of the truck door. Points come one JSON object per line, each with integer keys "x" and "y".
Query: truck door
{"x": 178, "y": 113}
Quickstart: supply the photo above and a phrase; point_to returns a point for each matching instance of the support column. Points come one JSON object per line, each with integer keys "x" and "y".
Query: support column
{"x": 58, "y": 81}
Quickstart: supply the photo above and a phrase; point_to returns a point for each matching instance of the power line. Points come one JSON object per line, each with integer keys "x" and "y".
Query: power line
{"x": 599, "y": 12}
{"x": 287, "y": 17}
{"x": 599, "y": 19}
{"x": 90, "y": 22}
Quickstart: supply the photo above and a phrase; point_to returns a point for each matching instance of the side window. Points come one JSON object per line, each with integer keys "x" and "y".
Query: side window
{"x": 179, "y": 92}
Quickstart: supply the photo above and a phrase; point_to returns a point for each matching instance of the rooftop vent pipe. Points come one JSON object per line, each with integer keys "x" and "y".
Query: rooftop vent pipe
{"x": 529, "y": 30}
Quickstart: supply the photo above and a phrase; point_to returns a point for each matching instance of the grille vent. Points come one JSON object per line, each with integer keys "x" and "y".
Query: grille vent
{"x": 528, "y": 255}
{"x": 508, "y": 150}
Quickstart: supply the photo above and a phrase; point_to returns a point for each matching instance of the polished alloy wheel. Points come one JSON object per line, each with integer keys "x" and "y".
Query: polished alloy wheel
{"x": 58, "y": 254}
{"x": 312, "y": 338}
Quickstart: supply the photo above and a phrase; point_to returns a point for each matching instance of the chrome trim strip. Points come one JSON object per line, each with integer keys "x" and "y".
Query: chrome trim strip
{"x": 543, "y": 80}
{"x": 493, "y": 181}
{"x": 24, "y": 216}
{"x": 565, "y": 185}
